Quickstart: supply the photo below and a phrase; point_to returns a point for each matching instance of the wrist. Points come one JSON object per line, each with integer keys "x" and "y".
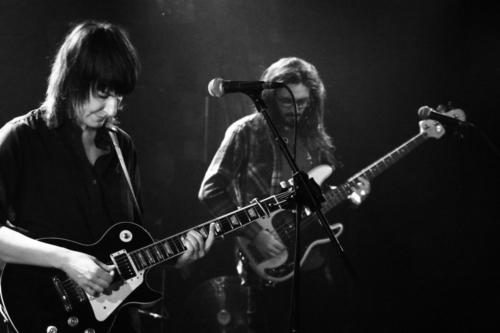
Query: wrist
{"x": 61, "y": 257}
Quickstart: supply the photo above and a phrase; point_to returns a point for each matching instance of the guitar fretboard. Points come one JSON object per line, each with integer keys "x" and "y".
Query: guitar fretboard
{"x": 340, "y": 193}
{"x": 173, "y": 246}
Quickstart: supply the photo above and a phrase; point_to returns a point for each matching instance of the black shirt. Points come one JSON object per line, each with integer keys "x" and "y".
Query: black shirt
{"x": 48, "y": 187}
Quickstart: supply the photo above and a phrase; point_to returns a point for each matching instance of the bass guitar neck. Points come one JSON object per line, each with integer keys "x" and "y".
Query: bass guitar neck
{"x": 281, "y": 224}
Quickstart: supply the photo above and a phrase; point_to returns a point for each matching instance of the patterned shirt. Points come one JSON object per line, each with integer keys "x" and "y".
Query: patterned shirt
{"x": 248, "y": 165}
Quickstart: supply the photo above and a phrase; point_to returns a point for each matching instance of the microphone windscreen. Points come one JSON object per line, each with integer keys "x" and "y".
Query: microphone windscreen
{"x": 424, "y": 112}
{"x": 215, "y": 88}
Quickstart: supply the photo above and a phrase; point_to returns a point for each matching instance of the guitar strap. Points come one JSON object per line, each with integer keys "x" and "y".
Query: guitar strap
{"x": 6, "y": 323}
{"x": 114, "y": 139}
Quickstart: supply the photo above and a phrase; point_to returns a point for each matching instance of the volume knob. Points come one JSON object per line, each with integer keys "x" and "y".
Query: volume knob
{"x": 73, "y": 321}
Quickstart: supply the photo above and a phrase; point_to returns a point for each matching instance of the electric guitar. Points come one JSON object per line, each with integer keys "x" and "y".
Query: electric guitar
{"x": 37, "y": 299}
{"x": 281, "y": 224}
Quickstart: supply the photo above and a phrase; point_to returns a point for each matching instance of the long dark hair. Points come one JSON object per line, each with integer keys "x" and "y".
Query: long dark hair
{"x": 293, "y": 70}
{"x": 93, "y": 56}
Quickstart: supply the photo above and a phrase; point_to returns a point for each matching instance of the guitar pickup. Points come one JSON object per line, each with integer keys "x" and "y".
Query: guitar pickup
{"x": 124, "y": 265}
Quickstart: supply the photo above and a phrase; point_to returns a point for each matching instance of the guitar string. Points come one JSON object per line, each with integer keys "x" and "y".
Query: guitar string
{"x": 72, "y": 287}
{"x": 368, "y": 172}
{"x": 283, "y": 228}
{"x": 174, "y": 242}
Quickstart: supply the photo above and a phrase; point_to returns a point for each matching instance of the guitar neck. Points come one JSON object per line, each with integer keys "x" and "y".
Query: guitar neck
{"x": 173, "y": 246}
{"x": 340, "y": 193}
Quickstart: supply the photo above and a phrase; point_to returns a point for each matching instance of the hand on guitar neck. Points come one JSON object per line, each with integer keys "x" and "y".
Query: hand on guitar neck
{"x": 196, "y": 246}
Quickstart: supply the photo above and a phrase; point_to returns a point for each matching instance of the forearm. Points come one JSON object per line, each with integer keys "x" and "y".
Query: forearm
{"x": 215, "y": 195}
{"x": 18, "y": 248}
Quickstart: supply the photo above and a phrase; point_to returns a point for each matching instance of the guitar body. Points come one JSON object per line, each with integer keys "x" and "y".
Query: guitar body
{"x": 39, "y": 299}
{"x": 281, "y": 224}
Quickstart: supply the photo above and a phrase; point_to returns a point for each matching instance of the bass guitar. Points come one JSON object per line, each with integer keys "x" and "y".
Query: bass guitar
{"x": 38, "y": 299}
{"x": 281, "y": 224}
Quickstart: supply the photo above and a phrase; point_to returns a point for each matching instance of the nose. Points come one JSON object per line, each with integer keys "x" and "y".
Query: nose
{"x": 111, "y": 105}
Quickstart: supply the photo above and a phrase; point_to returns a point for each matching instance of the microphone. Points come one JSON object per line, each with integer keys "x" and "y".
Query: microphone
{"x": 219, "y": 87}
{"x": 455, "y": 117}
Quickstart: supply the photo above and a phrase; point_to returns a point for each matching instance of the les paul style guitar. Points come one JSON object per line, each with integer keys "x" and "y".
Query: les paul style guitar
{"x": 38, "y": 299}
{"x": 281, "y": 224}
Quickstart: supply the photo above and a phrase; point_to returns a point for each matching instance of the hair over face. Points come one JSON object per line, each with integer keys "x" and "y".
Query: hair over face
{"x": 93, "y": 56}
{"x": 293, "y": 70}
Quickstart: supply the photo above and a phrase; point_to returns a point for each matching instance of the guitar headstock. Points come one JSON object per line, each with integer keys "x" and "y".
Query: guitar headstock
{"x": 432, "y": 128}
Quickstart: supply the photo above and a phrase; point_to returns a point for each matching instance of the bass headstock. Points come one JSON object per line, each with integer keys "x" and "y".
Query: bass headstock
{"x": 431, "y": 128}
{"x": 434, "y": 128}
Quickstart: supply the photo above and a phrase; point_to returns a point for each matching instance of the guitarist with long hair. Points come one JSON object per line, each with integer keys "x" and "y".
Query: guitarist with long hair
{"x": 60, "y": 176}
{"x": 248, "y": 164}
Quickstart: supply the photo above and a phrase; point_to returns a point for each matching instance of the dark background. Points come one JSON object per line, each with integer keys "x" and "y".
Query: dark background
{"x": 424, "y": 243}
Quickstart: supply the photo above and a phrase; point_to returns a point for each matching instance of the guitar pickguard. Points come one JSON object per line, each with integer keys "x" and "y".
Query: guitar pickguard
{"x": 104, "y": 305}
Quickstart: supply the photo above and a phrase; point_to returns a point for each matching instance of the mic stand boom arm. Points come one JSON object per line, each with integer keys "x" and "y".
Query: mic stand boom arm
{"x": 308, "y": 194}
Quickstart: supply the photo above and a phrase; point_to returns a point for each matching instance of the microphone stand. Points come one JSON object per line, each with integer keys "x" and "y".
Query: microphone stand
{"x": 307, "y": 193}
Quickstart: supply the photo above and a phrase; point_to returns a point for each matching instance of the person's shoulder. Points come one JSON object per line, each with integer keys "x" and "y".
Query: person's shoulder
{"x": 250, "y": 121}
{"x": 26, "y": 122}
{"x": 29, "y": 119}
{"x": 18, "y": 129}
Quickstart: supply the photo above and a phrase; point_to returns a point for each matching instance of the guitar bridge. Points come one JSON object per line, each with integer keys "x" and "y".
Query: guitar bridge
{"x": 63, "y": 295}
